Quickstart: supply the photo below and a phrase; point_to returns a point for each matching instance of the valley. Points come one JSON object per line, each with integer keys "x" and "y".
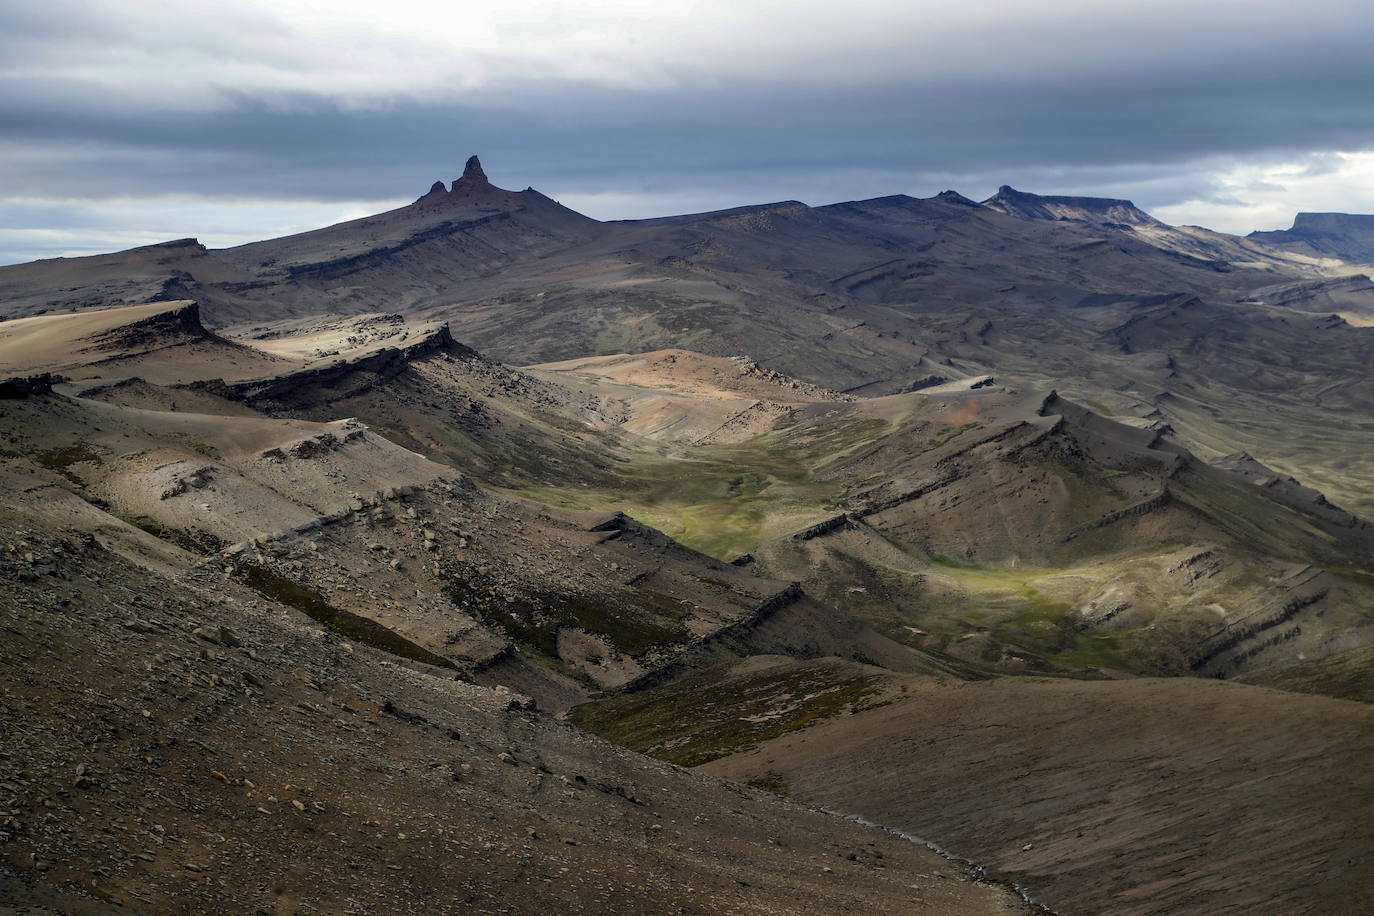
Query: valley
{"x": 478, "y": 552}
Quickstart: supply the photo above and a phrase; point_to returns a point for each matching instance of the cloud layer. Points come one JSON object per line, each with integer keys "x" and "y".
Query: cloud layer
{"x": 150, "y": 119}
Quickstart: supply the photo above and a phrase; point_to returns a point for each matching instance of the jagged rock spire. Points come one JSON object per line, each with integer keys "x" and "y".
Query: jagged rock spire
{"x": 472, "y": 188}
{"x": 472, "y": 173}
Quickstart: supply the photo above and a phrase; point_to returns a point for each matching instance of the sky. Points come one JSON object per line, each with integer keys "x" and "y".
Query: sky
{"x": 127, "y": 122}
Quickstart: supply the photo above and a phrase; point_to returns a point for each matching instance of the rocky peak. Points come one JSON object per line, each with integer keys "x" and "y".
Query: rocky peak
{"x": 437, "y": 192}
{"x": 473, "y": 176}
{"x": 954, "y": 197}
{"x": 1085, "y": 209}
{"x": 472, "y": 184}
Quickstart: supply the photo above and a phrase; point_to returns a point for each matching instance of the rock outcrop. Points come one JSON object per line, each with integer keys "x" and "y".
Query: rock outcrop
{"x": 1349, "y": 236}
{"x": 25, "y": 386}
{"x": 1107, "y": 210}
{"x": 473, "y": 183}
{"x": 473, "y": 175}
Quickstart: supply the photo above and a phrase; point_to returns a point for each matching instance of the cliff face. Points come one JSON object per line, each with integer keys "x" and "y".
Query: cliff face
{"x": 346, "y": 377}
{"x": 178, "y": 323}
{"x": 1333, "y": 223}
{"x": 1349, "y": 236}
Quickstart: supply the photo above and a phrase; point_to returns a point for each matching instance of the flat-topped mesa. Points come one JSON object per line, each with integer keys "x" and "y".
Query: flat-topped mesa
{"x": 1333, "y": 222}
{"x": 1349, "y": 236}
{"x": 1086, "y": 209}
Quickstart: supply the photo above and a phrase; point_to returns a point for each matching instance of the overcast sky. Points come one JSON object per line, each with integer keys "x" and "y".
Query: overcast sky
{"x": 131, "y": 121}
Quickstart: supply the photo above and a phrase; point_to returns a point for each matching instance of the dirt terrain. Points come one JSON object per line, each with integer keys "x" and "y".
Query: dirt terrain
{"x": 175, "y": 742}
{"x": 1135, "y": 797}
{"x": 1165, "y": 796}
{"x": 963, "y": 524}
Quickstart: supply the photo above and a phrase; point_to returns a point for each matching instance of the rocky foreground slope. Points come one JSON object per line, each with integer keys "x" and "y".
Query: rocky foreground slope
{"x": 174, "y": 741}
{"x": 1156, "y": 796}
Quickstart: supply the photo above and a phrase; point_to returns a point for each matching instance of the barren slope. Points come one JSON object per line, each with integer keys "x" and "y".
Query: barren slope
{"x": 1124, "y": 797}
{"x": 158, "y": 341}
{"x": 174, "y": 741}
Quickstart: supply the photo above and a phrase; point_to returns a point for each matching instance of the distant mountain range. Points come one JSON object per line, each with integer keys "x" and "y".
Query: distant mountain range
{"x": 1235, "y": 343}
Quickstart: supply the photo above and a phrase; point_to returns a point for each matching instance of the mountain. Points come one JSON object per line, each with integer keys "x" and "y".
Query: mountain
{"x": 961, "y": 526}
{"x": 404, "y": 257}
{"x": 1347, "y": 236}
{"x": 145, "y": 274}
{"x": 1086, "y": 209}
{"x": 322, "y": 556}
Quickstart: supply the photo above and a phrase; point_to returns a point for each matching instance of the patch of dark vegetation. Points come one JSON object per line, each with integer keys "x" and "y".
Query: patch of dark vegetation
{"x": 203, "y": 448}
{"x": 354, "y": 626}
{"x": 535, "y": 618}
{"x": 21, "y": 387}
{"x": 1345, "y": 675}
{"x": 946, "y": 434}
{"x": 711, "y": 715}
{"x": 749, "y": 483}
{"x": 62, "y": 458}
{"x": 772, "y": 781}
{"x": 193, "y": 540}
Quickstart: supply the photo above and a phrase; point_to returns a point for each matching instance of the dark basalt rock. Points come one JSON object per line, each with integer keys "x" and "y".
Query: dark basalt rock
{"x": 473, "y": 176}
{"x": 19, "y": 387}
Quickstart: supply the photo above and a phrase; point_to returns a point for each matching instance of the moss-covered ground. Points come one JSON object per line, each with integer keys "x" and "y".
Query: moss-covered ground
{"x": 714, "y": 713}
{"x": 357, "y": 628}
{"x": 723, "y": 500}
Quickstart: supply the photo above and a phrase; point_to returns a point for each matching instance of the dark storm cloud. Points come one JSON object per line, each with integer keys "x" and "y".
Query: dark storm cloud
{"x": 1089, "y": 107}
{"x": 321, "y": 151}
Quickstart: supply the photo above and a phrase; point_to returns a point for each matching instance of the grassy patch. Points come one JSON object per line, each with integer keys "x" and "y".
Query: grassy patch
{"x": 692, "y": 505}
{"x": 772, "y": 781}
{"x": 356, "y": 627}
{"x": 1098, "y": 407}
{"x": 722, "y": 500}
{"x": 62, "y": 458}
{"x": 193, "y": 540}
{"x": 946, "y": 433}
{"x": 1019, "y": 614}
{"x": 702, "y": 718}
{"x": 534, "y": 618}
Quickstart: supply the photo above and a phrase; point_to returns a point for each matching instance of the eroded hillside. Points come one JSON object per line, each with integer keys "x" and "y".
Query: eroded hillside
{"x": 945, "y": 515}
